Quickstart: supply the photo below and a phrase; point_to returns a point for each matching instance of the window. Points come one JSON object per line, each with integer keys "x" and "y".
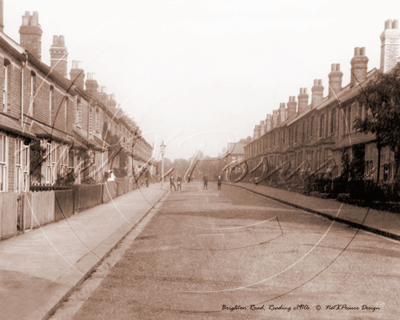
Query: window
{"x": 311, "y": 126}
{"x": 32, "y": 93}
{"x": 50, "y": 103}
{"x": 18, "y": 165}
{"x": 333, "y": 120}
{"x": 321, "y": 126}
{"x": 363, "y": 112}
{"x": 65, "y": 113}
{"x": 48, "y": 164}
{"x": 71, "y": 159}
{"x": 3, "y": 163}
{"x": 90, "y": 119}
{"x": 303, "y": 132}
{"x": 21, "y": 166}
{"x": 369, "y": 163}
{"x": 5, "y": 89}
{"x": 97, "y": 120}
{"x": 63, "y": 160}
{"x": 295, "y": 134}
{"x": 51, "y": 163}
{"x": 79, "y": 113}
{"x": 348, "y": 120}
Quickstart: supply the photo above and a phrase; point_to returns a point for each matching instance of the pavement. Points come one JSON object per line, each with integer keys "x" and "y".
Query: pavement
{"x": 39, "y": 269}
{"x": 379, "y": 222}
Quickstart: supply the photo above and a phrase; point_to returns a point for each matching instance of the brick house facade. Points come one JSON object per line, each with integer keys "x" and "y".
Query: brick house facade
{"x": 317, "y": 133}
{"x": 41, "y": 105}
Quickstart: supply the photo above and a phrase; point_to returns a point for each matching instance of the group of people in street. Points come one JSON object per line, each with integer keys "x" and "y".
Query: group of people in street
{"x": 205, "y": 180}
{"x": 179, "y": 182}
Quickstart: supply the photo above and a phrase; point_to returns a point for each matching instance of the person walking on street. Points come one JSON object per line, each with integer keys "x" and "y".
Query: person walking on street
{"x": 179, "y": 182}
{"x": 219, "y": 182}
{"x": 171, "y": 183}
{"x": 147, "y": 178}
{"x": 205, "y": 179}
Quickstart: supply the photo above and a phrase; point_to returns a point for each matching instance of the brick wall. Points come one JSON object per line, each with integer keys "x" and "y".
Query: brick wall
{"x": 41, "y": 105}
{"x": 84, "y": 123}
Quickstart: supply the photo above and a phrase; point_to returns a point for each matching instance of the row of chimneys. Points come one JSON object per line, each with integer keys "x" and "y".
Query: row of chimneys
{"x": 30, "y": 38}
{"x": 390, "y": 56}
{"x": 358, "y": 74}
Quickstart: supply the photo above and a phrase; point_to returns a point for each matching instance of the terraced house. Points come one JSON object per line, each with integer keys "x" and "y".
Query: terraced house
{"x": 317, "y": 132}
{"x": 52, "y": 126}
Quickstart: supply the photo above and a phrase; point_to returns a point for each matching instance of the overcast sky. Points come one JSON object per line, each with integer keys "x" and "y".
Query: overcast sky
{"x": 199, "y": 73}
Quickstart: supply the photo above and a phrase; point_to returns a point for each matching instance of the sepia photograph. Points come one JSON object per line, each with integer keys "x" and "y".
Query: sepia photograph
{"x": 199, "y": 159}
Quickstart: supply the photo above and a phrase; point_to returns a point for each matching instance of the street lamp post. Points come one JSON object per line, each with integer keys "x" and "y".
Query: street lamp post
{"x": 162, "y": 150}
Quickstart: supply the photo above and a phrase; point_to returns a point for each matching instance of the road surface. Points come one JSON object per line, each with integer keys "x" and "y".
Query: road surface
{"x": 231, "y": 254}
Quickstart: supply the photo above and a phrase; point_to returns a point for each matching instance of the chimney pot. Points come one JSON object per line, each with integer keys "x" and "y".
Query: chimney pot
{"x": 61, "y": 41}
{"x": 333, "y": 67}
{"x": 55, "y": 41}
{"x": 1, "y": 16}
{"x": 25, "y": 20}
{"x": 356, "y": 51}
{"x": 395, "y": 24}
{"x": 389, "y": 24}
{"x": 33, "y": 20}
{"x": 362, "y": 51}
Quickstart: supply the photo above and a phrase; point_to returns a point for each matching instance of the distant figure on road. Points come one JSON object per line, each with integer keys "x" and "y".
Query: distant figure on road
{"x": 147, "y": 178}
{"x": 219, "y": 182}
{"x": 171, "y": 183}
{"x": 179, "y": 182}
{"x": 205, "y": 179}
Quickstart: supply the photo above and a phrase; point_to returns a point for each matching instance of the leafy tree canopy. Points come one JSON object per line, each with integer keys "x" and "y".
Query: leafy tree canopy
{"x": 381, "y": 98}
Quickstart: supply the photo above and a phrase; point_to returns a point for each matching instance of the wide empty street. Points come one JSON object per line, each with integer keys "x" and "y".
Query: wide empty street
{"x": 231, "y": 254}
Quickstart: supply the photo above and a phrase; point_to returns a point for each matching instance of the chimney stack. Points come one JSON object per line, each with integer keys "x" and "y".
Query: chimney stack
{"x": 1, "y": 16}
{"x": 256, "y": 132}
{"x": 31, "y": 34}
{"x": 335, "y": 80}
{"x": 303, "y": 100}
{"x": 317, "y": 93}
{"x": 390, "y": 45}
{"x": 291, "y": 107}
{"x": 359, "y": 65}
{"x": 103, "y": 94}
{"x": 275, "y": 118}
{"x": 77, "y": 75}
{"x": 262, "y": 128}
{"x": 111, "y": 102}
{"x": 268, "y": 123}
{"x": 92, "y": 85}
{"x": 58, "y": 55}
{"x": 282, "y": 112}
